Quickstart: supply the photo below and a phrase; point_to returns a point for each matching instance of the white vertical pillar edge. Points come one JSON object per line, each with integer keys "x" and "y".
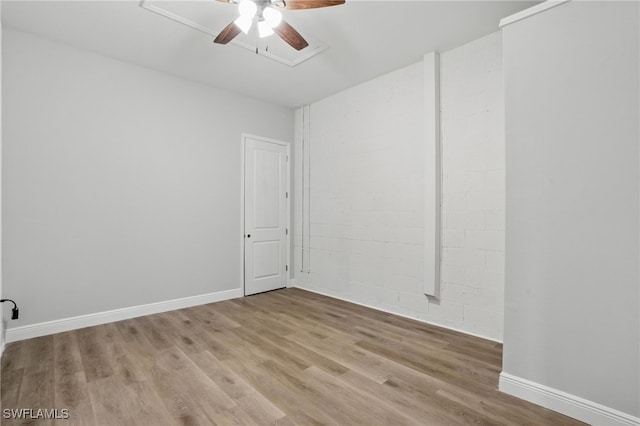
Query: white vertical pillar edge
{"x": 432, "y": 174}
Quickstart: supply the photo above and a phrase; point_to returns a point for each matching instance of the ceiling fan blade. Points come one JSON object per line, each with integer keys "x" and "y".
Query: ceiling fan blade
{"x": 291, "y": 36}
{"x": 311, "y": 4}
{"x": 228, "y": 34}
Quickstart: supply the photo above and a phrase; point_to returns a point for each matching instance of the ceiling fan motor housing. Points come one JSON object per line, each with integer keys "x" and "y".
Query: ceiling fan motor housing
{"x": 263, "y": 3}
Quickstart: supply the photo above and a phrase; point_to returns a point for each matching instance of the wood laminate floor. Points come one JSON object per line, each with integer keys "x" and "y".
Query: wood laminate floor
{"x": 284, "y": 357}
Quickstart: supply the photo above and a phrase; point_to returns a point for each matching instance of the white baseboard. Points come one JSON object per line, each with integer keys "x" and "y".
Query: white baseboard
{"x": 565, "y": 403}
{"x": 344, "y": 299}
{"x": 74, "y": 323}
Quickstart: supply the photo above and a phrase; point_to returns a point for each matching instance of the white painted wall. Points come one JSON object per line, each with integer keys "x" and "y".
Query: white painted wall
{"x": 121, "y": 184}
{"x": 367, "y": 197}
{"x": 572, "y": 317}
{"x": 366, "y": 189}
{"x": 2, "y": 319}
{"x": 472, "y": 120}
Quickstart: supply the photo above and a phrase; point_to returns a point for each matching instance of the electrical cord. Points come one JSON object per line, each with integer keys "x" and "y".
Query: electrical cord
{"x": 14, "y": 311}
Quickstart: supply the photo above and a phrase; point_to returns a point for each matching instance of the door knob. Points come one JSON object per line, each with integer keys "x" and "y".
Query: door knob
{"x": 248, "y": 235}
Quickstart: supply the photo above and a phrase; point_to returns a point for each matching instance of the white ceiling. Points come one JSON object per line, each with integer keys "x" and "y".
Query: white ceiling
{"x": 365, "y": 39}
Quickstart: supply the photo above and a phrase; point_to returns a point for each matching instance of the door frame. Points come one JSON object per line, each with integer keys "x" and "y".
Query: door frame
{"x": 244, "y": 137}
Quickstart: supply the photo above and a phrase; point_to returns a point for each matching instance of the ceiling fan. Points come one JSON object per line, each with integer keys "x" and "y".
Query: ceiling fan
{"x": 269, "y": 19}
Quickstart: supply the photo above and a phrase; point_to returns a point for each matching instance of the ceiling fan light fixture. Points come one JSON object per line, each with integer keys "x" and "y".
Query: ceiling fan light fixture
{"x": 264, "y": 29}
{"x": 269, "y": 19}
{"x": 247, "y": 9}
{"x": 272, "y": 16}
{"x": 244, "y": 23}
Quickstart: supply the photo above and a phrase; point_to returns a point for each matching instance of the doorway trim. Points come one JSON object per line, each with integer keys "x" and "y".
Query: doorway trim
{"x": 244, "y": 137}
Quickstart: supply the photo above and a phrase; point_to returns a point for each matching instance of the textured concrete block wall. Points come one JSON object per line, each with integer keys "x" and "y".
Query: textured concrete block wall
{"x": 472, "y": 105}
{"x": 364, "y": 180}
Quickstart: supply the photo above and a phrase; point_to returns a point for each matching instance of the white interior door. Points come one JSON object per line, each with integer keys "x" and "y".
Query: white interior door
{"x": 265, "y": 222}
